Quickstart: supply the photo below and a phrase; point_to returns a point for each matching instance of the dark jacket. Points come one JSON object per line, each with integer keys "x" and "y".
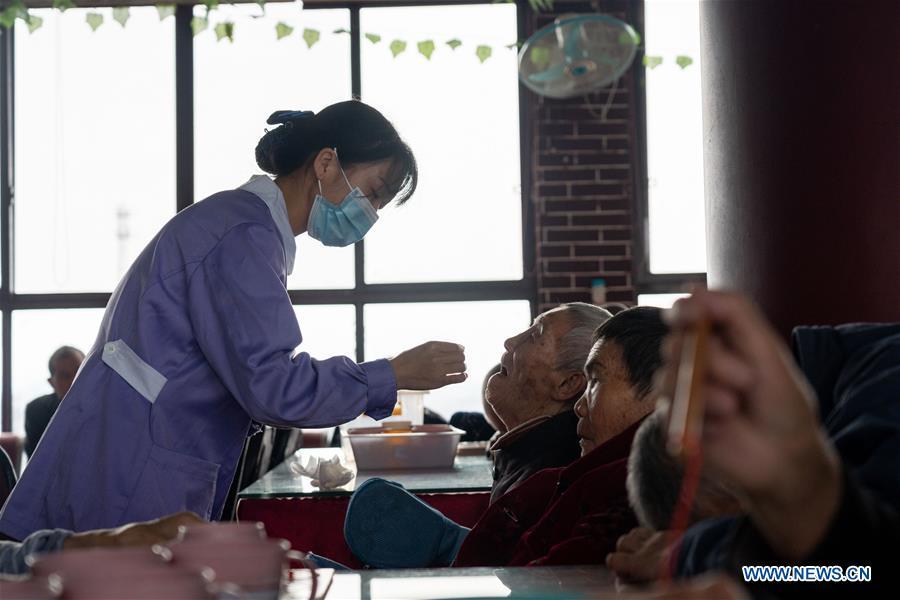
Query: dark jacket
{"x": 551, "y": 443}
{"x": 571, "y": 515}
{"x": 864, "y": 532}
{"x": 38, "y": 413}
{"x": 855, "y": 372}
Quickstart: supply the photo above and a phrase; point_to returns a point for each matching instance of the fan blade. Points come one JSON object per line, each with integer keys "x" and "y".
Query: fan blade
{"x": 551, "y": 74}
{"x": 571, "y": 48}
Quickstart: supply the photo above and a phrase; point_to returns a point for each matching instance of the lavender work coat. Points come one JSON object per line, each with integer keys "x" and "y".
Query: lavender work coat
{"x": 197, "y": 341}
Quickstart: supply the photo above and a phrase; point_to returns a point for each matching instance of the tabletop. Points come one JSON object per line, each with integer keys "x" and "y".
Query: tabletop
{"x": 468, "y": 474}
{"x": 592, "y": 581}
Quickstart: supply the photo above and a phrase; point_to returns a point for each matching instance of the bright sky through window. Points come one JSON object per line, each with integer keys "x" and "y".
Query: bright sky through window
{"x": 675, "y": 138}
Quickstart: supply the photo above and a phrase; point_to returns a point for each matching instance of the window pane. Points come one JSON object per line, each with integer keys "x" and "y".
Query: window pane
{"x": 35, "y": 335}
{"x": 328, "y": 330}
{"x": 659, "y": 300}
{"x": 675, "y": 138}
{"x": 238, "y": 85}
{"x": 95, "y": 147}
{"x": 481, "y": 327}
{"x": 461, "y": 119}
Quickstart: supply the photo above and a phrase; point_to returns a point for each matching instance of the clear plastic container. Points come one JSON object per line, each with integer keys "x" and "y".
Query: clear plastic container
{"x": 423, "y": 447}
{"x": 412, "y": 405}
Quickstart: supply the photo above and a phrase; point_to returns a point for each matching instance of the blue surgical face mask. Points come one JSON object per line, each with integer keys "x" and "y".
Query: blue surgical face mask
{"x": 341, "y": 224}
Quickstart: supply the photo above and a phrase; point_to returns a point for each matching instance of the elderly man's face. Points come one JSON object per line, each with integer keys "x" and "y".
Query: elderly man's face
{"x": 609, "y": 404}
{"x": 527, "y": 370}
{"x": 64, "y": 371}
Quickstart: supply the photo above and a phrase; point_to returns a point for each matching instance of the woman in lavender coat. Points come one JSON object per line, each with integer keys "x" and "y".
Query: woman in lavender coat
{"x": 198, "y": 340}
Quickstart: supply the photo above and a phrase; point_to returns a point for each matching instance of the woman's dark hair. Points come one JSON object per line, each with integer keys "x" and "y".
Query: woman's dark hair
{"x": 639, "y": 331}
{"x": 360, "y": 134}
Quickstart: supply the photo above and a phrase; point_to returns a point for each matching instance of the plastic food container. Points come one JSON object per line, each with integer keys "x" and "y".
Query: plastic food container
{"x": 422, "y": 447}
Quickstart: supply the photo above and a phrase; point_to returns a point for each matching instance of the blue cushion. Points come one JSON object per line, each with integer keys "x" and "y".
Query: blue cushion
{"x": 388, "y": 528}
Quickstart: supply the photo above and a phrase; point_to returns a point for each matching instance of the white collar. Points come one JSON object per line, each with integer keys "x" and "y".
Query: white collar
{"x": 264, "y": 187}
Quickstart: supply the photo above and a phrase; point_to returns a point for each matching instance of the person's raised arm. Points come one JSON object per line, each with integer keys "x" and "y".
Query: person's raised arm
{"x": 246, "y": 327}
{"x": 761, "y": 431}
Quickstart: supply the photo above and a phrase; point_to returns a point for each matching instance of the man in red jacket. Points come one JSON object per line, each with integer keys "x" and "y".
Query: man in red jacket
{"x": 574, "y": 515}
{"x": 570, "y": 515}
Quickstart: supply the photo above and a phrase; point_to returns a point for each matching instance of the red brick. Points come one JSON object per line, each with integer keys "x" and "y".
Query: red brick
{"x": 569, "y": 205}
{"x": 597, "y": 189}
{"x": 578, "y": 143}
{"x": 620, "y": 172}
{"x": 620, "y": 296}
{"x": 571, "y": 266}
{"x": 572, "y": 235}
{"x": 586, "y": 220}
{"x": 560, "y": 281}
{"x": 602, "y": 159}
{"x": 548, "y": 251}
{"x": 610, "y": 205}
{"x": 617, "y": 265}
{"x": 617, "y": 143}
{"x": 610, "y": 235}
{"x": 545, "y": 190}
{"x": 567, "y": 112}
{"x": 569, "y": 175}
{"x": 600, "y": 250}
{"x": 554, "y": 160}
{"x": 554, "y": 221}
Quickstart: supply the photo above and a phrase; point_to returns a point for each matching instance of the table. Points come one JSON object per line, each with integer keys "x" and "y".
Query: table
{"x": 469, "y": 474}
{"x": 483, "y": 582}
{"x": 312, "y": 520}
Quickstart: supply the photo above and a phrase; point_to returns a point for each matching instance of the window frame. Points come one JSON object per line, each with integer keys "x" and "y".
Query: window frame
{"x": 361, "y": 294}
{"x": 645, "y": 281}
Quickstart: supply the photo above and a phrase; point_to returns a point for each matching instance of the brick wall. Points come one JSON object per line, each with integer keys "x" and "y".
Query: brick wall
{"x": 581, "y": 185}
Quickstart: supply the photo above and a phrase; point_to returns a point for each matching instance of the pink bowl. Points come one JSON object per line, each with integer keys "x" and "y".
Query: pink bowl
{"x": 222, "y": 532}
{"x": 103, "y": 562}
{"x": 252, "y": 566}
{"x": 126, "y": 573}
{"x": 24, "y": 589}
{"x": 173, "y": 584}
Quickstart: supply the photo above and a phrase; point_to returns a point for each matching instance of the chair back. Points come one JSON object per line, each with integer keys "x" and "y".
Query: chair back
{"x": 7, "y": 476}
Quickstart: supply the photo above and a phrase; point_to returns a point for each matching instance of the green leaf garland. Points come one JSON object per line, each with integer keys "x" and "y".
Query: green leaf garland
{"x": 684, "y": 61}
{"x": 165, "y": 10}
{"x": 223, "y": 30}
{"x": 483, "y": 53}
{"x": 426, "y": 48}
{"x": 93, "y": 19}
{"x": 121, "y": 14}
{"x": 282, "y": 30}
{"x": 199, "y": 25}
{"x": 311, "y": 37}
{"x": 397, "y": 47}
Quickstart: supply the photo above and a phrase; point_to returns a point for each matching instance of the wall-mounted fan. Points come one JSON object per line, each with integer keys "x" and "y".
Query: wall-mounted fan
{"x": 577, "y": 54}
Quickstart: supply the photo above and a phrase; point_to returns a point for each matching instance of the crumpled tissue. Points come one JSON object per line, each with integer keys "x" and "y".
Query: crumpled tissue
{"x": 324, "y": 473}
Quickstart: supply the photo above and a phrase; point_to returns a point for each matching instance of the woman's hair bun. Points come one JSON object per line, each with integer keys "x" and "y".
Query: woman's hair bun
{"x": 280, "y": 117}
{"x": 282, "y": 149}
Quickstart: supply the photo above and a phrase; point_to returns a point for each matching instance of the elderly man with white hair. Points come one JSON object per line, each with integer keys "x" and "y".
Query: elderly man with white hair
{"x": 534, "y": 393}
{"x": 541, "y": 376}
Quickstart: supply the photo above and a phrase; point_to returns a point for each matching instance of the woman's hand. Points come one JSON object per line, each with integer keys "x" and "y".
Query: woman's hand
{"x": 430, "y": 366}
{"x": 761, "y": 431}
{"x": 134, "y": 534}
